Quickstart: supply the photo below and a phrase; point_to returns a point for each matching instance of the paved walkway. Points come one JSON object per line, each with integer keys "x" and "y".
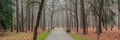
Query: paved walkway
{"x": 58, "y": 34}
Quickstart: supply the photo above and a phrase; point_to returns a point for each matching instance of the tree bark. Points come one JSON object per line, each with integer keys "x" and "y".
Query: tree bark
{"x": 17, "y": 16}
{"x": 22, "y": 16}
{"x": 83, "y": 17}
{"x": 38, "y": 19}
{"x": 52, "y": 14}
{"x": 11, "y": 27}
{"x": 118, "y": 14}
{"x": 44, "y": 21}
{"x": 32, "y": 23}
{"x": 76, "y": 16}
{"x": 101, "y": 4}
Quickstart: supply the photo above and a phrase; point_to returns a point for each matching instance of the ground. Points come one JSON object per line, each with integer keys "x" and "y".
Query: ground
{"x": 18, "y": 36}
{"x": 106, "y": 35}
{"x": 14, "y": 36}
{"x": 60, "y": 34}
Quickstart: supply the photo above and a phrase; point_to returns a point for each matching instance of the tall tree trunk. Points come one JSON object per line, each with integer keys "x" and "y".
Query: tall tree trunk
{"x": 11, "y": 22}
{"x": 22, "y": 16}
{"x": 112, "y": 25}
{"x": 95, "y": 17}
{"x": 52, "y": 14}
{"x": 52, "y": 20}
{"x": 29, "y": 21}
{"x": 28, "y": 17}
{"x": 105, "y": 25}
{"x": 99, "y": 28}
{"x": 118, "y": 14}
{"x": 67, "y": 16}
{"x": 101, "y": 4}
{"x": 41, "y": 21}
{"x": 44, "y": 21}
{"x": 83, "y": 17}
{"x": 38, "y": 19}
{"x": 32, "y": 23}
{"x": 17, "y": 15}
{"x": 76, "y": 16}
{"x": 11, "y": 27}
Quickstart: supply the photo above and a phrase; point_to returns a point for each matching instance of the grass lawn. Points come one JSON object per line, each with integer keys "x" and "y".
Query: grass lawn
{"x": 75, "y": 36}
{"x": 43, "y": 36}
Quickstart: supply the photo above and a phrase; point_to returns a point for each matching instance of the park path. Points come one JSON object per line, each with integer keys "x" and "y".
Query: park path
{"x": 58, "y": 34}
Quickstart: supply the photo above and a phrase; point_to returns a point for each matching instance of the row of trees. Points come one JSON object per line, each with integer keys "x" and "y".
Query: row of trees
{"x": 18, "y": 15}
{"x": 26, "y": 15}
{"x": 99, "y": 13}
{"x": 79, "y": 13}
{"x": 97, "y": 8}
{"x": 23, "y": 17}
{"x": 6, "y": 14}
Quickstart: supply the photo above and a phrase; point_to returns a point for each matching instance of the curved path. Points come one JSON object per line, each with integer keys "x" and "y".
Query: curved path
{"x": 59, "y": 34}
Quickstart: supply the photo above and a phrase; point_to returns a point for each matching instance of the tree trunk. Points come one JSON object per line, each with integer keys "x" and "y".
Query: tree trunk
{"x": 67, "y": 15}
{"x": 76, "y": 16}
{"x": 32, "y": 23}
{"x": 101, "y": 4}
{"x": 44, "y": 21}
{"x": 52, "y": 20}
{"x": 28, "y": 17}
{"x": 105, "y": 25}
{"x": 112, "y": 26}
{"x": 17, "y": 15}
{"x": 118, "y": 14}
{"x": 11, "y": 27}
{"x": 38, "y": 19}
{"x": 52, "y": 14}
{"x": 29, "y": 21}
{"x": 83, "y": 17}
{"x": 99, "y": 27}
{"x": 22, "y": 16}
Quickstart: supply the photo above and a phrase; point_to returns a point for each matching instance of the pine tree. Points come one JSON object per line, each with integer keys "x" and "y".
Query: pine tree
{"x": 6, "y": 13}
